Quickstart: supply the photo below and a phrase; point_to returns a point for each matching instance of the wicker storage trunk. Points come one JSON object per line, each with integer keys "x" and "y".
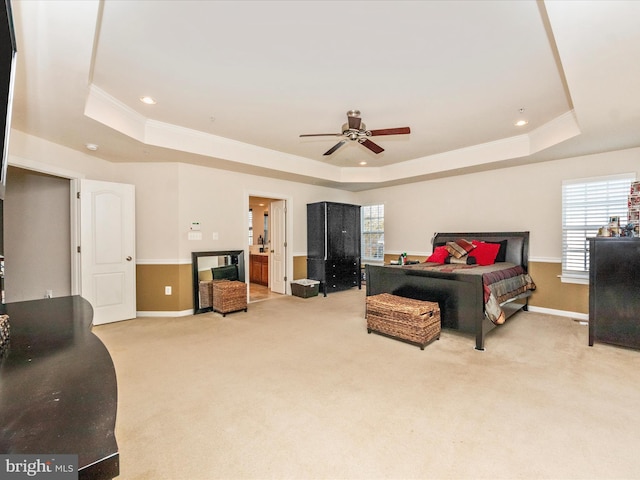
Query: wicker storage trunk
{"x": 407, "y": 319}
{"x": 229, "y": 296}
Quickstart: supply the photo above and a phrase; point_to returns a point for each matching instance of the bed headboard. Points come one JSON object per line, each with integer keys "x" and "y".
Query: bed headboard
{"x": 517, "y": 243}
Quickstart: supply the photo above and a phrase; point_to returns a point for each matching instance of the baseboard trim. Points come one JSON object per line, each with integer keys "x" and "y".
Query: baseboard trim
{"x": 163, "y": 261}
{"x": 170, "y": 313}
{"x": 560, "y": 313}
{"x": 549, "y": 311}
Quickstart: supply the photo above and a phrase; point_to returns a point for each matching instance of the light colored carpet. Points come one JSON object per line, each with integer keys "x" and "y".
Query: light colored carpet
{"x": 296, "y": 389}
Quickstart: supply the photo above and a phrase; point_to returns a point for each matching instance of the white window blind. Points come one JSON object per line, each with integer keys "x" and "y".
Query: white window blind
{"x": 372, "y": 232}
{"x": 250, "y": 226}
{"x": 587, "y": 205}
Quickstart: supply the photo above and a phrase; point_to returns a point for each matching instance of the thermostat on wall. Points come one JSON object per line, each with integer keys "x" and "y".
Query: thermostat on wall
{"x": 195, "y": 226}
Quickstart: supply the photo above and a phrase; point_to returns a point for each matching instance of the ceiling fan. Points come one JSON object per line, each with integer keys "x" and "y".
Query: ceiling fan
{"x": 355, "y": 130}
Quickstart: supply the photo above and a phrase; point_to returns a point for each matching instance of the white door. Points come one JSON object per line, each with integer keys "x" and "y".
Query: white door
{"x": 278, "y": 229}
{"x": 107, "y": 249}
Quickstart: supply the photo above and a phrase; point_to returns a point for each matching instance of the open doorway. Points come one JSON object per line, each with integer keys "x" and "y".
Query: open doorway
{"x": 37, "y": 235}
{"x": 267, "y": 262}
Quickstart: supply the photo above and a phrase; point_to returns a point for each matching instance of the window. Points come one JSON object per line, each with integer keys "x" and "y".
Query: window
{"x": 266, "y": 229}
{"x": 373, "y": 232}
{"x": 250, "y": 227}
{"x": 587, "y": 205}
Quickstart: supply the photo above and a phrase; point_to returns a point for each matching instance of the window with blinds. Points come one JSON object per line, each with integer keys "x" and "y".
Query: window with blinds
{"x": 250, "y": 226}
{"x": 587, "y": 205}
{"x": 373, "y": 232}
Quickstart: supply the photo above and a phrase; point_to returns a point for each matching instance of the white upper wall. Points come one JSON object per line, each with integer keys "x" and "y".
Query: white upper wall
{"x": 219, "y": 200}
{"x": 34, "y": 153}
{"x": 170, "y": 196}
{"x": 525, "y": 198}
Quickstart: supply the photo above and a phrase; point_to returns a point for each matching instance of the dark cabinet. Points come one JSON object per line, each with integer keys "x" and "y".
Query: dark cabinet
{"x": 259, "y": 271}
{"x": 333, "y": 245}
{"x": 614, "y": 291}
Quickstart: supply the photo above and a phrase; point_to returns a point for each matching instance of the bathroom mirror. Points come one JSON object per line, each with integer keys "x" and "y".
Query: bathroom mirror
{"x": 202, "y": 263}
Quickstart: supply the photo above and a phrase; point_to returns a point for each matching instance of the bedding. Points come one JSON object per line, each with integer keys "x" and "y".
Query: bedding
{"x": 501, "y": 282}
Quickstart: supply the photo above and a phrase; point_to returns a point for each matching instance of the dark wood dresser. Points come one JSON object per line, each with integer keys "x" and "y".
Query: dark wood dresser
{"x": 614, "y": 291}
{"x": 58, "y": 391}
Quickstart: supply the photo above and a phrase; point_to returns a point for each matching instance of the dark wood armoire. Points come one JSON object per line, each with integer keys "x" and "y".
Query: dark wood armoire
{"x": 333, "y": 245}
{"x": 614, "y": 291}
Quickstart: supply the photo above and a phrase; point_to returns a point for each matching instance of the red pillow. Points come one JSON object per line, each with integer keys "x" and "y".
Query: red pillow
{"x": 439, "y": 255}
{"x": 485, "y": 253}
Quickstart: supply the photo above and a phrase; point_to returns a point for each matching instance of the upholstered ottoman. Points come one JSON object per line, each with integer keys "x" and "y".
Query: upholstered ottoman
{"x": 414, "y": 321}
{"x": 229, "y": 296}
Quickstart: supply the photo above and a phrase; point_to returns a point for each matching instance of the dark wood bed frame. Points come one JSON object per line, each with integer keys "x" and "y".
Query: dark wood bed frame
{"x": 460, "y": 296}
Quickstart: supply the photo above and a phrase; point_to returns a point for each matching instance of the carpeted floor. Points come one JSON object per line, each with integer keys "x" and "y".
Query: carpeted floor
{"x": 296, "y": 389}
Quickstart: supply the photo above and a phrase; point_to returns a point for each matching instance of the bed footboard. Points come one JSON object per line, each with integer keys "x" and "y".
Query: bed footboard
{"x": 460, "y": 296}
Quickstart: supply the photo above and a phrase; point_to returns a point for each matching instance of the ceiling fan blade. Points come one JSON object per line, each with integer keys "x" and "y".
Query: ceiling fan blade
{"x": 391, "y": 131}
{"x": 374, "y": 147}
{"x": 354, "y": 122}
{"x": 334, "y": 148}
{"x": 321, "y": 135}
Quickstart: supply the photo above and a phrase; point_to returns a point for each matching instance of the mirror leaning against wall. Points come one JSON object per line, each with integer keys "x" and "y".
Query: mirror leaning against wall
{"x": 227, "y": 264}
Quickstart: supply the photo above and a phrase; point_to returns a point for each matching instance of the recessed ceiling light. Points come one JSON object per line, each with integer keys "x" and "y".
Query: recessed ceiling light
{"x": 148, "y": 100}
{"x": 522, "y": 122}
{"x": 91, "y": 146}
{"x": 363, "y": 163}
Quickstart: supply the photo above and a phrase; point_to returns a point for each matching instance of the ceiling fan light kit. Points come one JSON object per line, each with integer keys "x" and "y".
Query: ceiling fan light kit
{"x": 355, "y": 130}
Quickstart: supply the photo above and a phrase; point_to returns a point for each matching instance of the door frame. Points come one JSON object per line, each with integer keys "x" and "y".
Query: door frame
{"x": 288, "y": 229}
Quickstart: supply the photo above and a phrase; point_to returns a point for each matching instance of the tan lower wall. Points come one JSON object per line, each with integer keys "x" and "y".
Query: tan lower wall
{"x": 150, "y": 283}
{"x": 299, "y": 267}
{"x": 152, "y": 279}
{"x": 185, "y": 279}
{"x": 551, "y": 293}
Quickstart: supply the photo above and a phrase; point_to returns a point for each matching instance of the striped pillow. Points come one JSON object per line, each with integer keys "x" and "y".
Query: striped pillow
{"x": 460, "y": 247}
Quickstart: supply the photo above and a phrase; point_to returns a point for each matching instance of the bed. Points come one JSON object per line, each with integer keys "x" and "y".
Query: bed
{"x": 473, "y": 298}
